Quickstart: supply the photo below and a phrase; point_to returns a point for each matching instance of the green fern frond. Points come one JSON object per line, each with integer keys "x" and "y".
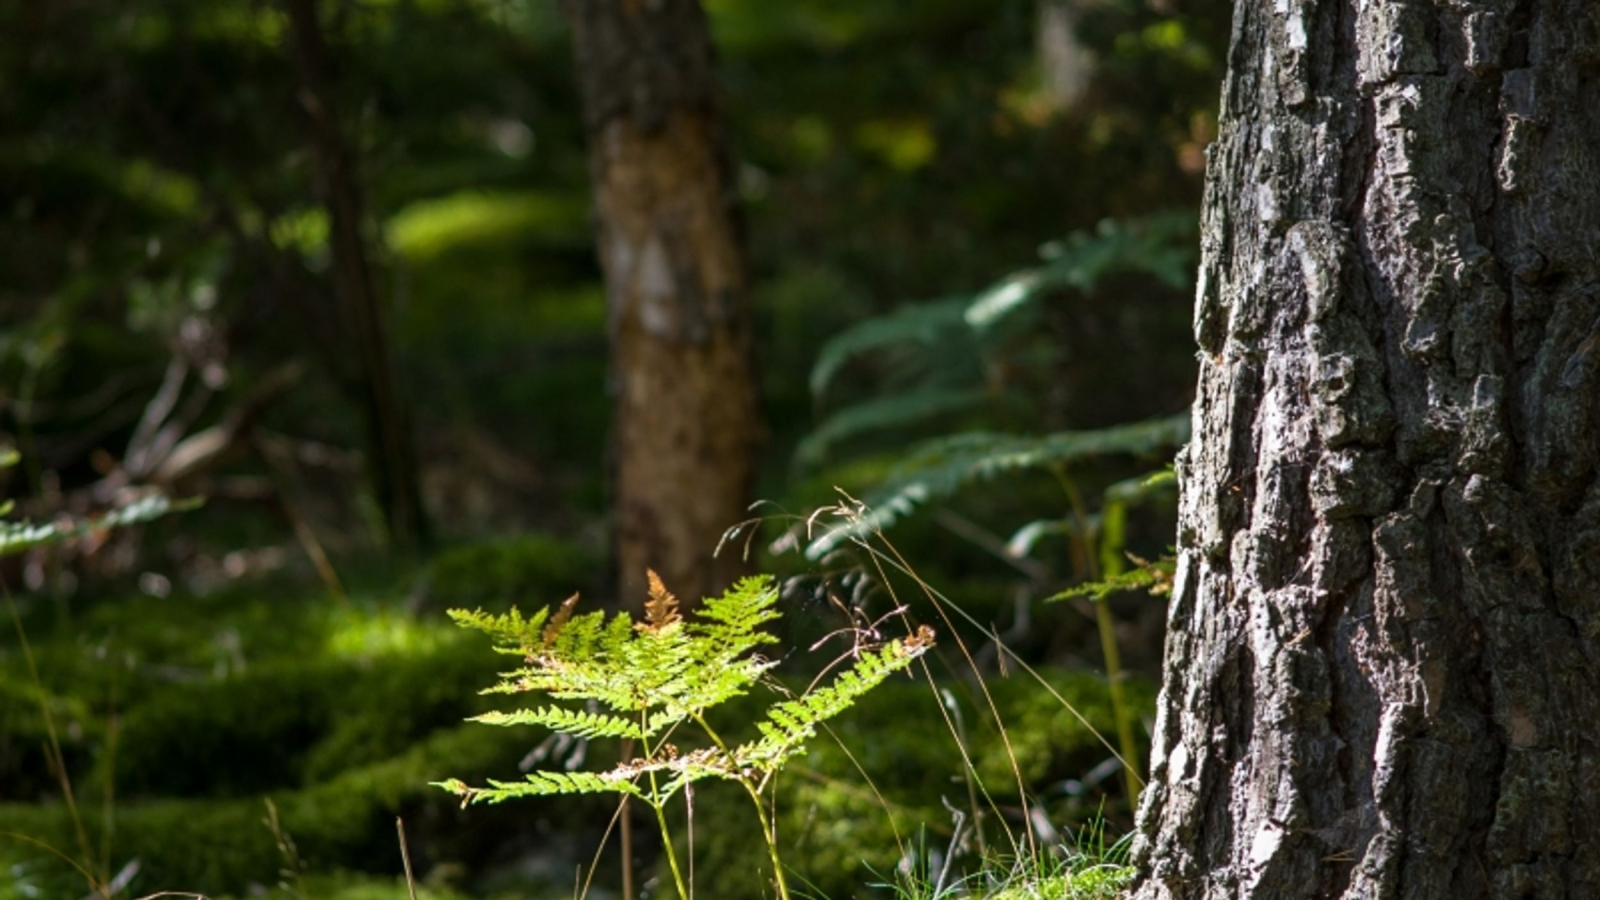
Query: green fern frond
{"x": 655, "y": 675}
{"x": 922, "y": 324}
{"x": 953, "y": 329}
{"x": 789, "y": 724}
{"x": 540, "y": 784}
{"x": 1161, "y": 246}
{"x": 16, "y": 537}
{"x": 939, "y": 468}
{"x": 1152, "y": 576}
{"x": 510, "y": 632}
{"x": 566, "y": 721}
{"x": 889, "y": 412}
{"x": 741, "y": 610}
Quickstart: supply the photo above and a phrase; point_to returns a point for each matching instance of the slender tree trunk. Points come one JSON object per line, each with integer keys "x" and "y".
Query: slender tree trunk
{"x": 390, "y": 448}
{"x": 1065, "y": 64}
{"x": 1383, "y": 657}
{"x": 686, "y": 423}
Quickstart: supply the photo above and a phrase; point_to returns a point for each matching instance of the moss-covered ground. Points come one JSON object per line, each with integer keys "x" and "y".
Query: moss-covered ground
{"x": 181, "y": 718}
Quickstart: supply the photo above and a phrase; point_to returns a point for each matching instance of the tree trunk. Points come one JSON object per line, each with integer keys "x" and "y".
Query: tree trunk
{"x": 392, "y": 456}
{"x": 1065, "y": 64}
{"x": 1383, "y": 655}
{"x": 686, "y": 423}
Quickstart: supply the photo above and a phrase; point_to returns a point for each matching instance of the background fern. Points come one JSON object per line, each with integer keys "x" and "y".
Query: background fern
{"x": 962, "y": 353}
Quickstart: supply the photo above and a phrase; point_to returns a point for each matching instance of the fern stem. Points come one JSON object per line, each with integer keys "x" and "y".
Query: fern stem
{"x": 1110, "y": 535}
{"x": 666, "y": 842}
{"x": 771, "y": 838}
{"x": 767, "y": 832}
{"x": 666, "y": 833}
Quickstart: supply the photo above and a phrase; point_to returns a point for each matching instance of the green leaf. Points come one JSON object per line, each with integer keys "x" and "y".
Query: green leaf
{"x": 939, "y": 468}
{"x": 16, "y": 537}
{"x": 925, "y": 324}
{"x": 577, "y": 724}
{"x": 886, "y": 413}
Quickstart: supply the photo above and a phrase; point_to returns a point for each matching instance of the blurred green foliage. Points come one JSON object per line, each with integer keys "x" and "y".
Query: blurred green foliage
{"x": 159, "y": 204}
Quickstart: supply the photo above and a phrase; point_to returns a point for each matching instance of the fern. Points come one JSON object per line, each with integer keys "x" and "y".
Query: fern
{"x": 16, "y": 537}
{"x": 578, "y": 724}
{"x": 1153, "y": 576}
{"x": 886, "y": 413}
{"x": 939, "y": 468}
{"x": 788, "y": 725}
{"x": 541, "y": 784}
{"x": 927, "y": 325}
{"x": 942, "y": 354}
{"x": 646, "y": 679}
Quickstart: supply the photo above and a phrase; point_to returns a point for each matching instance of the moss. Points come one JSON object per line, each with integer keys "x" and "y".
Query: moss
{"x": 221, "y": 846}
{"x": 285, "y": 725}
{"x": 531, "y": 569}
{"x": 353, "y": 886}
{"x": 23, "y": 737}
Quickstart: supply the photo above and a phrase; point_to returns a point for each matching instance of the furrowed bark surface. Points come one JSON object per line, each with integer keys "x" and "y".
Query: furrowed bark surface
{"x": 685, "y": 424}
{"x": 1383, "y": 656}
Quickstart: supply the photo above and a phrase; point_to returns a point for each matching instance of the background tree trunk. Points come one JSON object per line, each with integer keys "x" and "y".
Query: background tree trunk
{"x": 1065, "y": 65}
{"x": 392, "y": 455}
{"x": 686, "y": 422}
{"x": 1383, "y": 657}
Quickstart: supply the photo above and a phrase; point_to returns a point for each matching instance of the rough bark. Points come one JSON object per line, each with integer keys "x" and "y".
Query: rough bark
{"x": 685, "y": 424}
{"x": 392, "y": 454}
{"x": 1383, "y": 657}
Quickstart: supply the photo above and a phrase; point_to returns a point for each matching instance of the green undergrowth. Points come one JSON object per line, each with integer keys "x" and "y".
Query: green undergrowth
{"x": 834, "y": 825}
{"x": 221, "y": 845}
{"x": 341, "y": 713}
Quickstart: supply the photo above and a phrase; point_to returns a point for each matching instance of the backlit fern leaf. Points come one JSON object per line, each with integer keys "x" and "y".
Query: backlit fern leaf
{"x": 511, "y": 633}
{"x": 540, "y": 784}
{"x": 789, "y": 724}
{"x": 575, "y": 723}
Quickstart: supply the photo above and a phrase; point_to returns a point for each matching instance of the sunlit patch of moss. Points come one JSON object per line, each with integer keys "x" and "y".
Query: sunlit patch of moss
{"x": 428, "y": 228}
{"x": 305, "y": 230}
{"x": 905, "y": 145}
{"x": 263, "y": 25}
{"x": 223, "y": 846}
{"x": 363, "y": 634}
{"x": 743, "y": 26}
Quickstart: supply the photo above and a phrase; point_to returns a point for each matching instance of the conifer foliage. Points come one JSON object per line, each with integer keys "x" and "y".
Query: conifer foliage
{"x": 643, "y": 680}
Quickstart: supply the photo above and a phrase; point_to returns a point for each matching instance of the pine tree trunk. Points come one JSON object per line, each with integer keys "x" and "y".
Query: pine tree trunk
{"x": 370, "y": 373}
{"x": 1383, "y": 656}
{"x": 685, "y": 424}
